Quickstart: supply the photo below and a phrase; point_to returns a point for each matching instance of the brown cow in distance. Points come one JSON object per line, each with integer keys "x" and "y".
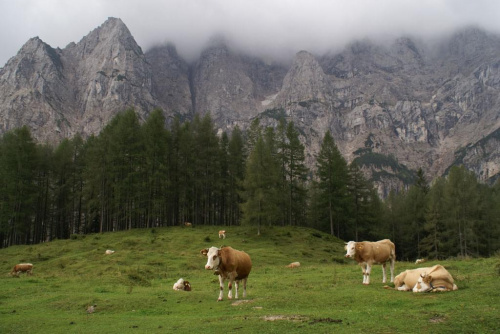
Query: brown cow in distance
{"x": 367, "y": 253}
{"x": 230, "y": 264}
{"x": 22, "y": 268}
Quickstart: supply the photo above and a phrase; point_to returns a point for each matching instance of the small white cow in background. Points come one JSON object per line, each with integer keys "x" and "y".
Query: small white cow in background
{"x": 222, "y": 234}
{"x": 109, "y": 252}
{"x": 293, "y": 265}
{"x": 22, "y": 268}
{"x": 182, "y": 285}
{"x": 418, "y": 261}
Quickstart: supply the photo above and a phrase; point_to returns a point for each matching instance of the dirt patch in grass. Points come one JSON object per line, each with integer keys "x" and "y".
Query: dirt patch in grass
{"x": 437, "y": 319}
{"x": 284, "y": 317}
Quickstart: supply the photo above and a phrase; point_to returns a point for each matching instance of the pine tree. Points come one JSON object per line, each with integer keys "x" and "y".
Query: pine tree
{"x": 332, "y": 177}
{"x": 462, "y": 202}
{"x": 296, "y": 174}
{"x": 434, "y": 221}
{"x": 156, "y": 194}
{"x": 260, "y": 187}
{"x": 19, "y": 162}
{"x": 236, "y": 174}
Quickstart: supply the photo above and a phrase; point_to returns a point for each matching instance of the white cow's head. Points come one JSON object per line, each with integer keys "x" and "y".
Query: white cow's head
{"x": 350, "y": 247}
{"x": 423, "y": 283}
{"x": 213, "y": 255}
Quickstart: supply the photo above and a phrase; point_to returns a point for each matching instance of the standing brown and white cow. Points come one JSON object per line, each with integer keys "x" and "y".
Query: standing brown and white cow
{"x": 367, "y": 253}
{"x": 229, "y": 264}
{"x": 22, "y": 267}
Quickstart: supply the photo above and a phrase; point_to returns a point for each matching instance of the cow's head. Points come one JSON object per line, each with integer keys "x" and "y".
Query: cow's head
{"x": 423, "y": 283}
{"x": 350, "y": 247}
{"x": 213, "y": 255}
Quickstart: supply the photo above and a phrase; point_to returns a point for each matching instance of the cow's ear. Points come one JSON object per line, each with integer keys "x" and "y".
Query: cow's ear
{"x": 204, "y": 251}
{"x": 359, "y": 246}
{"x": 428, "y": 278}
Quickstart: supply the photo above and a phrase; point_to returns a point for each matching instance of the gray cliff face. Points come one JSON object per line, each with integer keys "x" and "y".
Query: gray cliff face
{"x": 59, "y": 93}
{"x": 391, "y": 108}
{"x": 171, "y": 86}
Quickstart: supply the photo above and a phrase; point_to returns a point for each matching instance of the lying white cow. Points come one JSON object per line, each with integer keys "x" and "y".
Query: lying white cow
{"x": 182, "y": 285}
{"x": 436, "y": 279}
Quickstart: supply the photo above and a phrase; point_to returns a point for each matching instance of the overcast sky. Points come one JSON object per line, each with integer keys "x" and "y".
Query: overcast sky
{"x": 262, "y": 26}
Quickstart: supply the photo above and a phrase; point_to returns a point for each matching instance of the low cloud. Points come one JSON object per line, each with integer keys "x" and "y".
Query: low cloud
{"x": 272, "y": 27}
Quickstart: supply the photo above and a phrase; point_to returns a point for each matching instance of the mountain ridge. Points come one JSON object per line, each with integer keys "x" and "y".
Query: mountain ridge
{"x": 424, "y": 106}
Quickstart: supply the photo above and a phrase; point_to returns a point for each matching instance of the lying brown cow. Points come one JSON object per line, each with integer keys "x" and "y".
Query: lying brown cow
{"x": 229, "y": 264}
{"x": 436, "y": 279}
{"x": 367, "y": 253}
{"x": 408, "y": 278}
{"x": 22, "y": 268}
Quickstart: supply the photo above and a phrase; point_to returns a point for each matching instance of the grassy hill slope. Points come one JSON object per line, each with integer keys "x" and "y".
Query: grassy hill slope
{"x": 133, "y": 287}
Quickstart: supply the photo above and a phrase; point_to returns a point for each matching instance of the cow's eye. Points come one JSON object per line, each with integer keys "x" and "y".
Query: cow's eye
{"x": 215, "y": 256}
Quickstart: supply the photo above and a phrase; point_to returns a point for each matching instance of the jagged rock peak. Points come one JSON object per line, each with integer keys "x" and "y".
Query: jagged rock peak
{"x": 305, "y": 80}
{"x": 112, "y": 31}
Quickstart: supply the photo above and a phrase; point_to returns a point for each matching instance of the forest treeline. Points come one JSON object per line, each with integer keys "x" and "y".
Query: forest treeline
{"x": 146, "y": 174}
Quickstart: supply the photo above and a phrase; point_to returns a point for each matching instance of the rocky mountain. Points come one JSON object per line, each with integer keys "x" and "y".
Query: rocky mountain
{"x": 393, "y": 108}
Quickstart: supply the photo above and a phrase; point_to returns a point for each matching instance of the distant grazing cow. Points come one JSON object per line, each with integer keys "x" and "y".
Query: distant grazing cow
{"x": 294, "y": 265}
{"x": 367, "y": 253}
{"x": 436, "y": 279}
{"x": 408, "y": 278}
{"x": 181, "y": 284}
{"x": 222, "y": 234}
{"x": 229, "y": 264}
{"x": 109, "y": 252}
{"x": 22, "y": 268}
{"x": 418, "y": 261}
{"x": 188, "y": 224}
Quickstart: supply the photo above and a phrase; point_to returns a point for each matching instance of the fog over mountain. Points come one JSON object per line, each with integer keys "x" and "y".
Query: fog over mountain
{"x": 276, "y": 28}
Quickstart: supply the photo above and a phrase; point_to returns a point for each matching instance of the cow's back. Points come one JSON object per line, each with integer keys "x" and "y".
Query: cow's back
{"x": 235, "y": 260}
{"x": 376, "y": 251}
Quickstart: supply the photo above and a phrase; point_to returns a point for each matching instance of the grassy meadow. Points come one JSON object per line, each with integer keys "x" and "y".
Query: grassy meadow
{"x": 132, "y": 288}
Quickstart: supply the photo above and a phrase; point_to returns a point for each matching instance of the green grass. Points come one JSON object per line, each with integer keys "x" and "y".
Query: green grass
{"x": 133, "y": 287}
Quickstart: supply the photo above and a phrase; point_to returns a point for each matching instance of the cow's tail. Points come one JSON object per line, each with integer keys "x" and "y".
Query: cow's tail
{"x": 389, "y": 287}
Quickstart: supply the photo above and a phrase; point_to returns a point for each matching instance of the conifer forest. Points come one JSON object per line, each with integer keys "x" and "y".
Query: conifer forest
{"x": 145, "y": 175}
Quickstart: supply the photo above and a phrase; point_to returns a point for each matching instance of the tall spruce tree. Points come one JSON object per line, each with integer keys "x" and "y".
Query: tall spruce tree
{"x": 260, "y": 187}
{"x": 463, "y": 202}
{"x": 296, "y": 175}
{"x": 236, "y": 174}
{"x": 332, "y": 176}
{"x": 157, "y": 142}
{"x": 19, "y": 162}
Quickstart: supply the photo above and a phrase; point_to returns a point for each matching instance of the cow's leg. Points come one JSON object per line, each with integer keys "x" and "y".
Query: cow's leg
{"x": 392, "y": 269}
{"x": 367, "y": 275}
{"x": 230, "y": 287}
{"x": 221, "y": 282}
{"x": 236, "y": 286}
{"x": 363, "y": 269}
{"x": 384, "y": 274}
{"x": 244, "y": 287}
